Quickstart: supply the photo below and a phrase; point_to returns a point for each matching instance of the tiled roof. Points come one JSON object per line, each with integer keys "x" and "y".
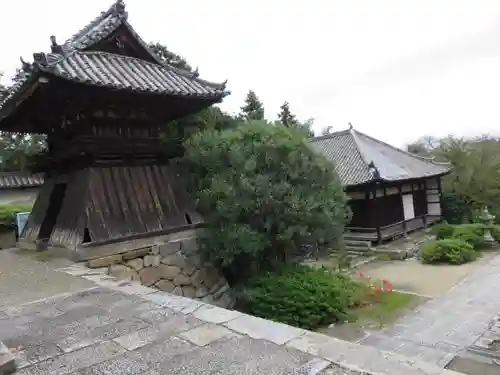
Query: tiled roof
{"x": 352, "y": 152}
{"x": 16, "y": 180}
{"x": 72, "y": 61}
{"x": 128, "y": 73}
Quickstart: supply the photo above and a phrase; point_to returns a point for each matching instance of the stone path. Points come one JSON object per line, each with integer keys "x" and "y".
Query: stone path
{"x": 125, "y": 328}
{"x": 24, "y": 279}
{"x": 445, "y": 326}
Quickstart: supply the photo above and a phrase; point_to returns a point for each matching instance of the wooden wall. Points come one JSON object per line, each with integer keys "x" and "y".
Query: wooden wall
{"x": 380, "y": 205}
{"x": 103, "y": 203}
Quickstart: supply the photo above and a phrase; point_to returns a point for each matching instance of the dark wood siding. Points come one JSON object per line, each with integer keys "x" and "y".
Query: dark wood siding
{"x": 32, "y": 227}
{"x": 420, "y": 202}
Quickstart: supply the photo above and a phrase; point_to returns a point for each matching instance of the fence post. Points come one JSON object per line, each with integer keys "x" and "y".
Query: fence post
{"x": 379, "y": 236}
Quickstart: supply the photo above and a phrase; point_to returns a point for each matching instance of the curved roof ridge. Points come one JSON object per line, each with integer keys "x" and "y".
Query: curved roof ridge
{"x": 329, "y": 135}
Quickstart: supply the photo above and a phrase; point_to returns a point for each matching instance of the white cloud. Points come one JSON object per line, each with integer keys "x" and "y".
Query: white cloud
{"x": 395, "y": 69}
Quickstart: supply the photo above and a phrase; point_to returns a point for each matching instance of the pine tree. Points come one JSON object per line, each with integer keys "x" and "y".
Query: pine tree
{"x": 253, "y": 108}
{"x": 285, "y": 116}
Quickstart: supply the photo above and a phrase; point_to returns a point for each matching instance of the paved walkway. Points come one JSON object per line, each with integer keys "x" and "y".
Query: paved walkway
{"x": 23, "y": 278}
{"x": 124, "y": 328}
{"x": 448, "y": 324}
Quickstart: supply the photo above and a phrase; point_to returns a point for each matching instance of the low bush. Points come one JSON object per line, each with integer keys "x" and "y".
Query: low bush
{"x": 8, "y": 213}
{"x": 300, "y": 296}
{"x": 473, "y": 234}
{"x": 449, "y": 250}
{"x": 443, "y": 230}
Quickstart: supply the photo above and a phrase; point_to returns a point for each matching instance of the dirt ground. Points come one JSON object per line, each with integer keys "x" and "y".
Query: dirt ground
{"x": 422, "y": 279}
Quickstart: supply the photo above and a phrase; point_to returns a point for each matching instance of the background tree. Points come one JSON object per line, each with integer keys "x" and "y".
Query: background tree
{"x": 3, "y": 89}
{"x": 169, "y": 57}
{"x": 16, "y": 150}
{"x": 475, "y": 178}
{"x": 288, "y": 119}
{"x": 253, "y": 108}
{"x": 285, "y": 115}
{"x": 264, "y": 193}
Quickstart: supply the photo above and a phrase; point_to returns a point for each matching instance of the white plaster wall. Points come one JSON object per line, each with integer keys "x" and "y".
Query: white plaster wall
{"x": 433, "y": 197}
{"x": 27, "y": 195}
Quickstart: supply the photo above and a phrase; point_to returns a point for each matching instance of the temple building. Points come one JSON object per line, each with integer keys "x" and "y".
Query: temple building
{"x": 103, "y": 98}
{"x": 391, "y": 192}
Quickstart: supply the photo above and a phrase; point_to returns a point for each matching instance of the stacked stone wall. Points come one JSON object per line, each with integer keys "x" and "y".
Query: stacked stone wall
{"x": 174, "y": 267}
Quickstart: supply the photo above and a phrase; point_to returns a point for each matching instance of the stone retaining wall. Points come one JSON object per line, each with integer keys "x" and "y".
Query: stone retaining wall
{"x": 174, "y": 267}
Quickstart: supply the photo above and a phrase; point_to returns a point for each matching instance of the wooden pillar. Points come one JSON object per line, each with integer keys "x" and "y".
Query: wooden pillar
{"x": 374, "y": 209}
{"x": 400, "y": 190}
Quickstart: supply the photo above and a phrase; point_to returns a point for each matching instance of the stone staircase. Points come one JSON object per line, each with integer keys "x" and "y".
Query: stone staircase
{"x": 357, "y": 247}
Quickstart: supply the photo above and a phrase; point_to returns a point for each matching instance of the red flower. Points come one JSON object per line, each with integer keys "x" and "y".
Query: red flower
{"x": 378, "y": 289}
{"x": 387, "y": 285}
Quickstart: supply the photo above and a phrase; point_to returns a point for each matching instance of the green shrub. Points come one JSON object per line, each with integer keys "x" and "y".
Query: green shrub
{"x": 300, "y": 296}
{"x": 8, "y": 213}
{"x": 443, "y": 230}
{"x": 473, "y": 234}
{"x": 264, "y": 193}
{"x": 450, "y": 250}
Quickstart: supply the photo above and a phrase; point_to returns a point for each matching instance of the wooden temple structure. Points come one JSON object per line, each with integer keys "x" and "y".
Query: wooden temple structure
{"x": 391, "y": 192}
{"x": 103, "y": 99}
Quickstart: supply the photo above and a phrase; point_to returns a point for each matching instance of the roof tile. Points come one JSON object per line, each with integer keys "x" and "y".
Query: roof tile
{"x": 128, "y": 73}
{"x": 351, "y": 153}
{"x": 14, "y": 180}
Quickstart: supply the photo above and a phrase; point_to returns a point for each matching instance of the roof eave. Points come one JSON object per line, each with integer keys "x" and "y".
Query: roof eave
{"x": 12, "y": 102}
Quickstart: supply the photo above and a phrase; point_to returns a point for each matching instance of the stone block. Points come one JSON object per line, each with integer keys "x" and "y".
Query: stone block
{"x": 196, "y": 260}
{"x": 181, "y": 280}
{"x": 71, "y": 362}
{"x": 7, "y": 361}
{"x": 189, "y": 291}
{"x": 137, "y": 264}
{"x": 197, "y": 279}
{"x": 100, "y": 334}
{"x": 165, "y": 286}
{"x": 216, "y": 315}
{"x": 169, "y": 272}
{"x": 104, "y": 261}
{"x": 151, "y": 260}
{"x": 208, "y": 299}
{"x": 150, "y": 275}
{"x": 258, "y": 328}
{"x": 225, "y": 301}
{"x": 137, "y": 253}
{"x": 221, "y": 291}
{"x": 201, "y": 292}
{"x": 124, "y": 365}
{"x": 190, "y": 233}
{"x": 212, "y": 276}
{"x": 155, "y": 250}
{"x": 122, "y": 272}
{"x": 133, "y": 288}
{"x": 189, "y": 269}
{"x": 189, "y": 246}
{"x": 176, "y": 259}
{"x": 178, "y": 291}
{"x": 206, "y": 334}
{"x": 169, "y": 248}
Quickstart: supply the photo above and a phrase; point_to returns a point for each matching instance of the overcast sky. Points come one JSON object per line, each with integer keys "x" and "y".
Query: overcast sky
{"x": 395, "y": 69}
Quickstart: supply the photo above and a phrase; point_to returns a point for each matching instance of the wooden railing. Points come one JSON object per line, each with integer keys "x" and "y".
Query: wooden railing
{"x": 392, "y": 230}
